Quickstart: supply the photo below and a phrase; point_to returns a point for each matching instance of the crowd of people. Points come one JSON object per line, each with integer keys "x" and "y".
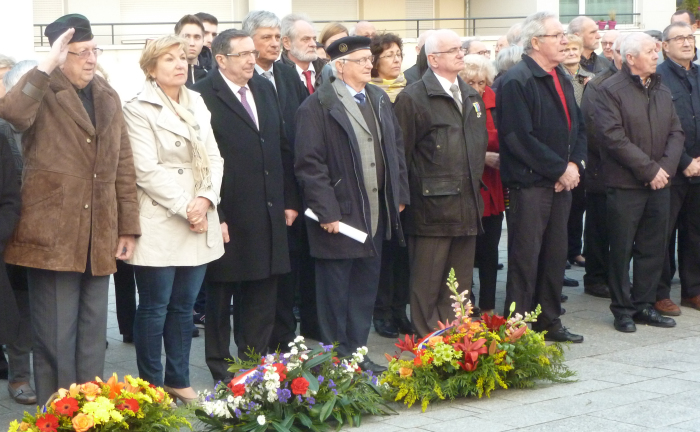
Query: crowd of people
{"x": 275, "y": 177}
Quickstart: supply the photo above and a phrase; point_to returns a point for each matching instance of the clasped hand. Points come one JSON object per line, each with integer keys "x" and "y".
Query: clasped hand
{"x": 569, "y": 179}
{"x": 197, "y": 214}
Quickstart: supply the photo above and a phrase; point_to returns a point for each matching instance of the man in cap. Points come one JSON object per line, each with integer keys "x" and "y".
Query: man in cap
{"x": 79, "y": 204}
{"x": 351, "y": 167}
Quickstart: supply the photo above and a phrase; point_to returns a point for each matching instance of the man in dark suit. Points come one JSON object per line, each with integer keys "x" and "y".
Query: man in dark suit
{"x": 264, "y": 28}
{"x": 299, "y": 42}
{"x": 257, "y": 196}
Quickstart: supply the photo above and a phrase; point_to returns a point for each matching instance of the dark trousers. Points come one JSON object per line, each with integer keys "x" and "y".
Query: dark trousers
{"x": 596, "y": 240}
{"x": 685, "y": 211}
{"x": 19, "y": 351}
{"x": 125, "y": 297}
{"x": 431, "y": 261}
{"x": 574, "y": 226}
{"x": 345, "y": 293}
{"x": 487, "y": 258}
{"x": 537, "y": 239}
{"x": 638, "y": 227}
{"x": 394, "y": 290}
{"x": 255, "y": 307}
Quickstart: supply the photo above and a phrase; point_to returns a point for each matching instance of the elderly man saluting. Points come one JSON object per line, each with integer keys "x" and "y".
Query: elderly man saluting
{"x": 351, "y": 168}
{"x": 79, "y": 206}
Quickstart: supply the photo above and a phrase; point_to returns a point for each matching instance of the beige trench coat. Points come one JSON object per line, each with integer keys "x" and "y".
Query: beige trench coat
{"x": 165, "y": 184}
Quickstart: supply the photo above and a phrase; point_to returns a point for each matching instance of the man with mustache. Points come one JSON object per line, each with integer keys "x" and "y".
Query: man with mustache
{"x": 299, "y": 50}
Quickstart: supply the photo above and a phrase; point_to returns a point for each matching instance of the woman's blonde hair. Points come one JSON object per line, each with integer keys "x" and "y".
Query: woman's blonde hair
{"x": 155, "y": 49}
{"x": 575, "y": 40}
{"x": 330, "y": 30}
{"x": 476, "y": 65}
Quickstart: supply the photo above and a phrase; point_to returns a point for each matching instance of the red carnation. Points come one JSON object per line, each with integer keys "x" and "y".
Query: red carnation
{"x": 129, "y": 404}
{"x": 300, "y": 386}
{"x": 237, "y": 389}
{"x": 48, "y": 423}
{"x": 281, "y": 371}
{"x": 66, "y": 406}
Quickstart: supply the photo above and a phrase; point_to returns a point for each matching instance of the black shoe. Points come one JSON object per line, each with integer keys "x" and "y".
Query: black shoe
{"x": 564, "y": 298}
{"x": 562, "y": 334}
{"x": 562, "y": 312}
{"x": 4, "y": 367}
{"x": 568, "y": 266}
{"x": 568, "y": 282}
{"x": 195, "y": 331}
{"x": 128, "y": 338}
{"x": 476, "y": 312}
{"x": 652, "y": 317}
{"x": 199, "y": 318}
{"x": 404, "y": 325}
{"x": 600, "y": 290}
{"x": 625, "y": 324}
{"x": 386, "y": 328}
{"x": 369, "y": 365}
{"x": 499, "y": 266}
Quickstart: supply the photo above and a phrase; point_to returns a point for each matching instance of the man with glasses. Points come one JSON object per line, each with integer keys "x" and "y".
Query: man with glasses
{"x": 476, "y": 46}
{"x": 79, "y": 204}
{"x": 543, "y": 148}
{"x": 607, "y": 41}
{"x": 443, "y": 120}
{"x": 587, "y": 29}
{"x": 351, "y": 167}
{"x": 680, "y": 75}
{"x": 259, "y": 199}
{"x": 191, "y": 29}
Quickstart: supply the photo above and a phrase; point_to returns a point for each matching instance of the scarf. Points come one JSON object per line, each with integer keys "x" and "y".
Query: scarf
{"x": 391, "y": 87}
{"x": 200, "y": 159}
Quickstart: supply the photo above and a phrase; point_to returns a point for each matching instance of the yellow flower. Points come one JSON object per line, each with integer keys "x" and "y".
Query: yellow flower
{"x": 82, "y": 422}
{"x": 100, "y": 409}
{"x": 14, "y": 426}
{"x": 24, "y": 426}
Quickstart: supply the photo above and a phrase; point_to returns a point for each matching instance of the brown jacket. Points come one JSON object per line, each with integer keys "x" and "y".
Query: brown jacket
{"x": 79, "y": 186}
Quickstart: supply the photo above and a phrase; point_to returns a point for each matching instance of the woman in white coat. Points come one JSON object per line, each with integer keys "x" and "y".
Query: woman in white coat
{"x": 178, "y": 174}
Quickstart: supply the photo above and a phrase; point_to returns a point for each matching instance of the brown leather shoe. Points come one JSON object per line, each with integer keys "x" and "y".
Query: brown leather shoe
{"x": 667, "y": 307}
{"x": 693, "y": 302}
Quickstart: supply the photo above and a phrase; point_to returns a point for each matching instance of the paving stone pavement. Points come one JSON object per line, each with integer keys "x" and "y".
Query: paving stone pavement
{"x": 648, "y": 380}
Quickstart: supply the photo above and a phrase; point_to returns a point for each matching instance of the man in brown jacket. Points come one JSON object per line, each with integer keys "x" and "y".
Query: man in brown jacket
{"x": 641, "y": 141}
{"x": 79, "y": 206}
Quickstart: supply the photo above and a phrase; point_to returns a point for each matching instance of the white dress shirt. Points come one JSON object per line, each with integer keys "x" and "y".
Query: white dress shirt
{"x": 446, "y": 85}
{"x": 301, "y": 71}
{"x": 248, "y": 96}
{"x": 260, "y": 70}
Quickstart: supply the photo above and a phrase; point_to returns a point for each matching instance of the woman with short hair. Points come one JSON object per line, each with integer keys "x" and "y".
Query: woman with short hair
{"x": 479, "y": 73}
{"x": 178, "y": 174}
{"x": 387, "y": 56}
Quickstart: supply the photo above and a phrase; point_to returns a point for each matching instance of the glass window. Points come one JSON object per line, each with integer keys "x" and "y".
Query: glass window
{"x": 599, "y": 10}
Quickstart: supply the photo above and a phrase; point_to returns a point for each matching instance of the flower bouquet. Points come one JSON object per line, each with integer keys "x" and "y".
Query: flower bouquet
{"x": 299, "y": 390}
{"x": 467, "y": 357}
{"x": 105, "y": 406}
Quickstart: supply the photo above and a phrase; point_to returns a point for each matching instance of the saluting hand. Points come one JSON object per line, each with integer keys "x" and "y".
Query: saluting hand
{"x": 59, "y": 52}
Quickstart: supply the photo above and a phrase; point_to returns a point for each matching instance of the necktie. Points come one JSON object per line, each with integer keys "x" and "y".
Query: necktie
{"x": 244, "y": 101}
{"x": 360, "y": 98}
{"x": 309, "y": 86}
{"x": 268, "y": 75}
{"x": 455, "y": 94}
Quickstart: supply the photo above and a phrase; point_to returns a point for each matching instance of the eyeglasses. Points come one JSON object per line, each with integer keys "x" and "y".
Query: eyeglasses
{"x": 484, "y": 52}
{"x": 680, "y": 39}
{"x": 397, "y": 55}
{"x": 452, "y": 51}
{"x": 254, "y": 53}
{"x": 558, "y": 36}
{"x": 84, "y": 55}
{"x": 361, "y": 61}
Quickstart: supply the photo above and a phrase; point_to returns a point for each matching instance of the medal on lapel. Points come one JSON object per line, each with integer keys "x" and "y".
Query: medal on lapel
{"x": 477, "y": 108}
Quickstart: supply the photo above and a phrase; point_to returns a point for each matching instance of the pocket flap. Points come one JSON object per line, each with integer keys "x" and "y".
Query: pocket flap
{"x": 440, "y": 187}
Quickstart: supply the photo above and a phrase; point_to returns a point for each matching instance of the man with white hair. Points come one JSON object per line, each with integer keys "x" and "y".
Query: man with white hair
{"x": 587, "y": 29}
{"x": 364, "y": 28}
{"x": 413, "y": 73}
{"x": 299, "y": 50}
{"x": 351, "y": 166}
{"x": 543, "y": 149}
{"x": 607, "y": 41}
{"x": 642, "y": 142}
{"x": 501, "y": 43}
{"x": 443, "y": 120}
{"x": 595, "y": 280}
{"x": 513, "y": 34}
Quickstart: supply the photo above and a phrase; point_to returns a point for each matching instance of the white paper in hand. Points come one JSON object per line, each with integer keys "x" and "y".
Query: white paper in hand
{"x": 344, "y": 229}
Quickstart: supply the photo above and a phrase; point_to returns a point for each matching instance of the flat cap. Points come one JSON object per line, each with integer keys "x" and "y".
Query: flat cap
{"x": 83, "y": 32}
{"x": 346, "y": 45}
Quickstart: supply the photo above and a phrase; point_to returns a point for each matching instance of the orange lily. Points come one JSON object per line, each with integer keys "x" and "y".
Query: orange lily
{"x": 517, "y": 334}
{"x": 115, "y": 387}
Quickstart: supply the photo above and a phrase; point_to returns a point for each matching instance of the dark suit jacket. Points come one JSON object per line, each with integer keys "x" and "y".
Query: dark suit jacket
{"x": 291, "y": 92}
{"x": 9, "y": 215}
{"x": 258, "y": 182}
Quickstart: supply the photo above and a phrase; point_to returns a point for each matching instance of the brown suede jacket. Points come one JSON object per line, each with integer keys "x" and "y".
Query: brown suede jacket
{"x": 79, "y": 185}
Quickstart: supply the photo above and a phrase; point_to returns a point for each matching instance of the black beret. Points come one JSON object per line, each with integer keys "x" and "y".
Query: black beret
{"x": 346, "y": 45}
{"x": 83, "y": 32}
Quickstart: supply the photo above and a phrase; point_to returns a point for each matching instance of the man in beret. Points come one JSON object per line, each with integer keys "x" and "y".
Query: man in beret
{"x": 79, "y": 204}
{"x": 351, "y": 168}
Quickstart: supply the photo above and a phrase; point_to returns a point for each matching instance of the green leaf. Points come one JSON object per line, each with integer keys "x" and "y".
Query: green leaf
{"x": 279, "y": 428}
{"x": 304, "y": 419}
{"x": 315, "y": 361}
{"x": 328, "y": 408}
{"x": 313, "y": 381}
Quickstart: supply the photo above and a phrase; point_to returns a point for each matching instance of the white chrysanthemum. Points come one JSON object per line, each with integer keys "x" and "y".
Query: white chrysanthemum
{"x": 302, "y": 347}
{"x": 261, "y": 420}
{"x": 294, "y": 351}
{"x": 272, "y": 395}
{"x": 299, "y": 339}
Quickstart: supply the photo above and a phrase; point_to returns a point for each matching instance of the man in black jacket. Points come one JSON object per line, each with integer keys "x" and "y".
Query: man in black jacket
{"x": 642, "y": 141}
{"x": 258, "y": 196}
{"x": 191, "y": 29}
{"x": 543, "y": 148}
{"x": 444, "y": 128}
{"x": 264, "y": 28}
{"x": 595, "y": 280}
{"x": 681, "y": 76}
{"x": 211, "y": 30}
{"x": 587, "y": 29}
{"x": 351, "y": 168}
